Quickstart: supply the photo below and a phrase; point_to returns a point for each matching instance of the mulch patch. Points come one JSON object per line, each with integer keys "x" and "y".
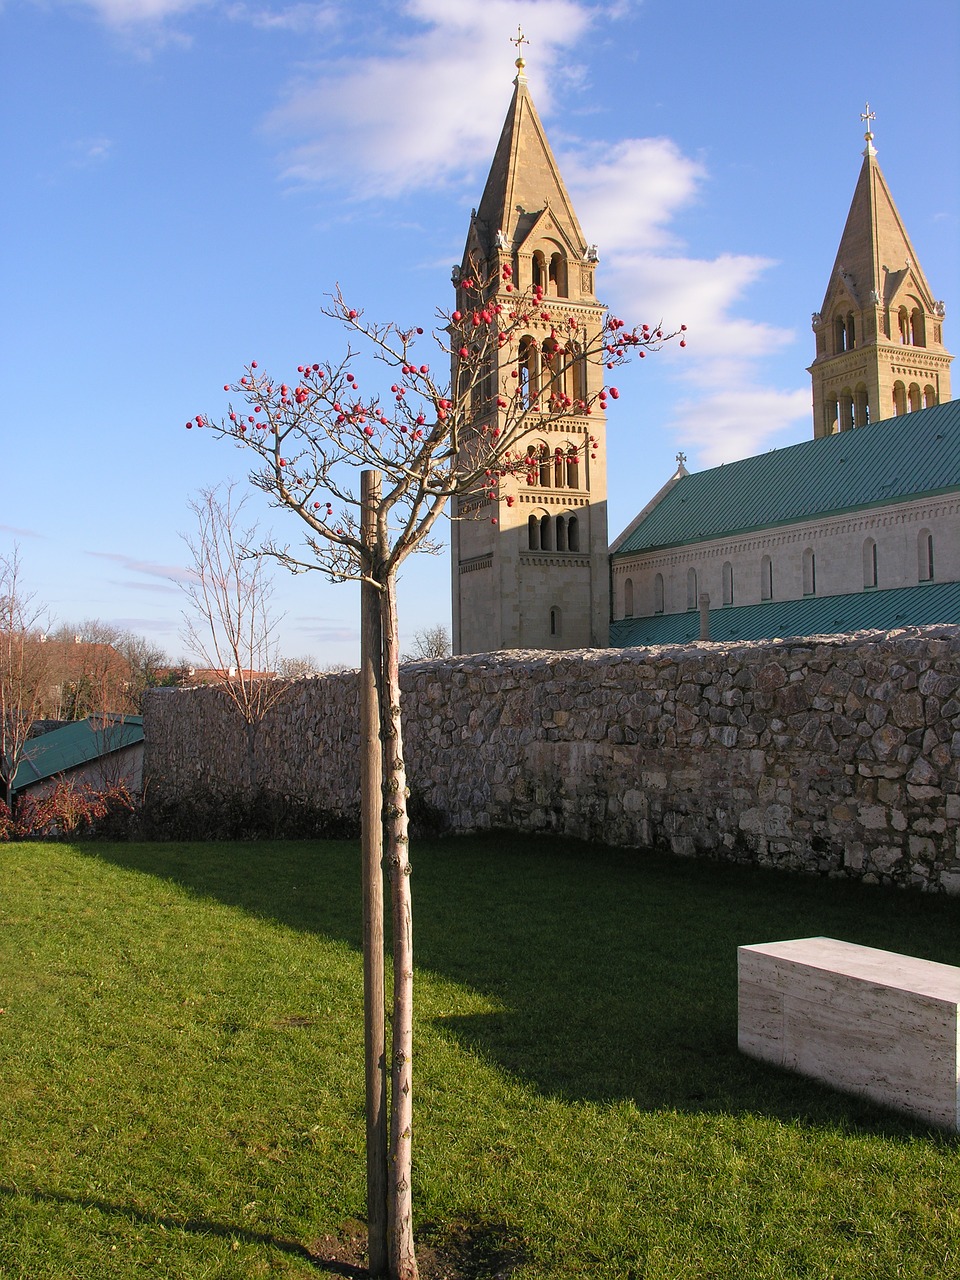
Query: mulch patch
{"x": 469, "y": 1249}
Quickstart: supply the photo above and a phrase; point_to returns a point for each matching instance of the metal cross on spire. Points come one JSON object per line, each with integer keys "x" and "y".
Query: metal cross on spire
{"x": 868, "y": 117}
{"x": 519, "y": 39}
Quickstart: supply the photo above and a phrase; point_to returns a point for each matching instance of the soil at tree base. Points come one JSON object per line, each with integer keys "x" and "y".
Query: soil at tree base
{"x": 468, "y": 1249}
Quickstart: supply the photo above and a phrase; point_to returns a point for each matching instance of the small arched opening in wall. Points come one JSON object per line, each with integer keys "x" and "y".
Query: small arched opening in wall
{"x": 809, "y": 572}
{"x": 556, "y": 623}
{"x": 869, "y": 556}
{"x": 899, "y": 399}
{"x": 727, "y": 582}
{"x": 766, "y": 578}
{"x": 693, "y": 598}
{"x": 930, "y": 397}
{"x": 658, "y": 593}
{"x": 628, "y": 598}
{"x": 925, "y": 568}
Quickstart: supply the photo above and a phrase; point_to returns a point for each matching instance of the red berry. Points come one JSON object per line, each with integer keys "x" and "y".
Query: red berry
{"x": 253, "y": 364}
{"x": 351, "y": 315}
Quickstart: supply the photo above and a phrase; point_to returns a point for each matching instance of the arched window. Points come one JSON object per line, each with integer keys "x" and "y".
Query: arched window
{"x": 532, "y": 464}
{"x": 578, "y": 367}
{"x": 658, "y": 593}
{"x": 851, "y": 332}
{"x": 555, "y": 621}
{"x": 692, "y": 602}
{"x": 561, "y": 533}
{"x": 573, "y": 467}
{"x": 554, "y": 372}
{"x": 899, "y": 399}
{"x": 929, "y": 396}
{"x": 628, "y": 598}
{"x": 839, "y": 334}
{"x": 903, "y": 326}
{"x": 869, "y": 563}
{"x": 727, "y": 582}
{"x": 917, "y": 328}
{"x": 559, "y": 468}
{"x": 831, "y": 415}
{"x": 846, "y": 409}
{"x": 545, "y": 466}
{"x": 915, "y": 401}
{"x": 925, "y": 556}
{"x": 539, "y": 271}
{"x": 766, "y": 578}
{"x": 533, "y": 533}
{"x": 546, "y": 533}
{"x": 809, "y": 572}
{"x": 558, "y": 275}
{"x": 861, "y": 406}
{"x": 573, "y": 533}
{"x": 528, "y": 368}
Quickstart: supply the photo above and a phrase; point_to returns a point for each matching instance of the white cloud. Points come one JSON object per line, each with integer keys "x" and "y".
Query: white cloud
{"x": 626, "y": 194}
{"x": 416, "y": 118}
{"x": 737, "y": 421}
{"x": 91, "y": 151}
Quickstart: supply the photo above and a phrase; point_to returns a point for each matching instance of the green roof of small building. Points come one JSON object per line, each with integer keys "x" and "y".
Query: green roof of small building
{"x": 75, "y": 744}
{"x": 885, "y": 462}
{"x": 927, "y": 604}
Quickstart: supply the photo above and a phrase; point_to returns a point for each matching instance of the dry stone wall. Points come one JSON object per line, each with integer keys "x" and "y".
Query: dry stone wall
{"x": 838, "y": 754}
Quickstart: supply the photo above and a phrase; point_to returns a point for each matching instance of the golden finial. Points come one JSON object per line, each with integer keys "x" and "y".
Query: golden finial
{"x": 519, "y": 39}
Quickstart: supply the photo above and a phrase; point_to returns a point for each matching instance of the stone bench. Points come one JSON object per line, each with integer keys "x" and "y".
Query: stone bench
{"x": 864, "y": 1021}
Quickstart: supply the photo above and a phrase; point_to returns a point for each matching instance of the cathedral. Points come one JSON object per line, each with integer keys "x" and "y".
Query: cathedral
{"x": 858, "y": 527}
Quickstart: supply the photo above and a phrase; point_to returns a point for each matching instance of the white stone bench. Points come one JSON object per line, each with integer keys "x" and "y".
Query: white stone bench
{"x": 864, "y": 1021}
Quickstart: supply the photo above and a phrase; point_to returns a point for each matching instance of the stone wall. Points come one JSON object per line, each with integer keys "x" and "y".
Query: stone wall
{"x": 838, "y": 755}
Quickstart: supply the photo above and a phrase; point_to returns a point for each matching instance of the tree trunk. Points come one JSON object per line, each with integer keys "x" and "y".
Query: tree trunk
{"x": 371, "y": 828}
{"x": 403, "y": 1261}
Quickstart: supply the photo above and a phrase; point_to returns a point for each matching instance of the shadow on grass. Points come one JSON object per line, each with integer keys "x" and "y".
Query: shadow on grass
{"x": 189, "y": 1226}
{"x": 613, "y": 971}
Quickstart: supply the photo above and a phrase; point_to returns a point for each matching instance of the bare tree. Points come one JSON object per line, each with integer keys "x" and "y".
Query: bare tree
{"x": 23, "y": 669}
{"x": 429, "y": 441}
{"x": 230, "y": 625}
{"x": 430, "y": 642}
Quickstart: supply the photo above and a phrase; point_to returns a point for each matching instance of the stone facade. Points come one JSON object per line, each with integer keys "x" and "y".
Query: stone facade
{"x": 529, "y": 565}
{"x": 838, "y": 755}
{"x": 899, "y": 545}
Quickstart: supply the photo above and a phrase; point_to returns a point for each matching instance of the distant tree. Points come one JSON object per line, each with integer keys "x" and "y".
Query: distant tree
{"x": 229, "y": 623}
{"x": 292, "y": 668}
{"x": 426, "y": 441}
{"x": 430, "y": 642}
{"x": 97, "y": 667}
{"x": 23, "y": 669}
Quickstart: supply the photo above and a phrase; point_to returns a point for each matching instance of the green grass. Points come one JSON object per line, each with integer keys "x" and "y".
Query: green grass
{"x": 182, "y": 1067}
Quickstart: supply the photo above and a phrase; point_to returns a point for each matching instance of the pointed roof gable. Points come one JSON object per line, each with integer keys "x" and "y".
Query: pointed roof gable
{"x": 524, "y": 180}
{"x": 875, "y": 254}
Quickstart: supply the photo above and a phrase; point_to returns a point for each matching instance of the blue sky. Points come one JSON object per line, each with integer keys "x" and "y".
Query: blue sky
{"x": 185, "y": 179}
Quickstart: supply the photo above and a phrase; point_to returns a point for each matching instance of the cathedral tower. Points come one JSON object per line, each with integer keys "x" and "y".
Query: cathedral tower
{"x": 879, "y": 332}
{"x": 530, "y": 564}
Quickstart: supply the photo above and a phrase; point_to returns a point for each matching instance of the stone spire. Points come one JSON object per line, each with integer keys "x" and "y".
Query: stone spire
{"x": 877, "y": 302}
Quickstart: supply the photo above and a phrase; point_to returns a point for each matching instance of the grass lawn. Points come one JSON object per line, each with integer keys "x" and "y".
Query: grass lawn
{"x": 182, "y": 1077}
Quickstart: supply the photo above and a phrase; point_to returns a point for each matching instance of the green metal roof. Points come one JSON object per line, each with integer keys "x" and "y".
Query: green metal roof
{"x": 75, "y": 744}
{"x": 929, "y": 603}
{"x": 889, "y": 461}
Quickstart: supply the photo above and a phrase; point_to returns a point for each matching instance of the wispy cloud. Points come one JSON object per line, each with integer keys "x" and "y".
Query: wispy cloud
{"x": 21, "y": 533}
{"x": 299, "y": 18}
{"x": 86, "y": 152}
{"x": 168, "y": 573}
